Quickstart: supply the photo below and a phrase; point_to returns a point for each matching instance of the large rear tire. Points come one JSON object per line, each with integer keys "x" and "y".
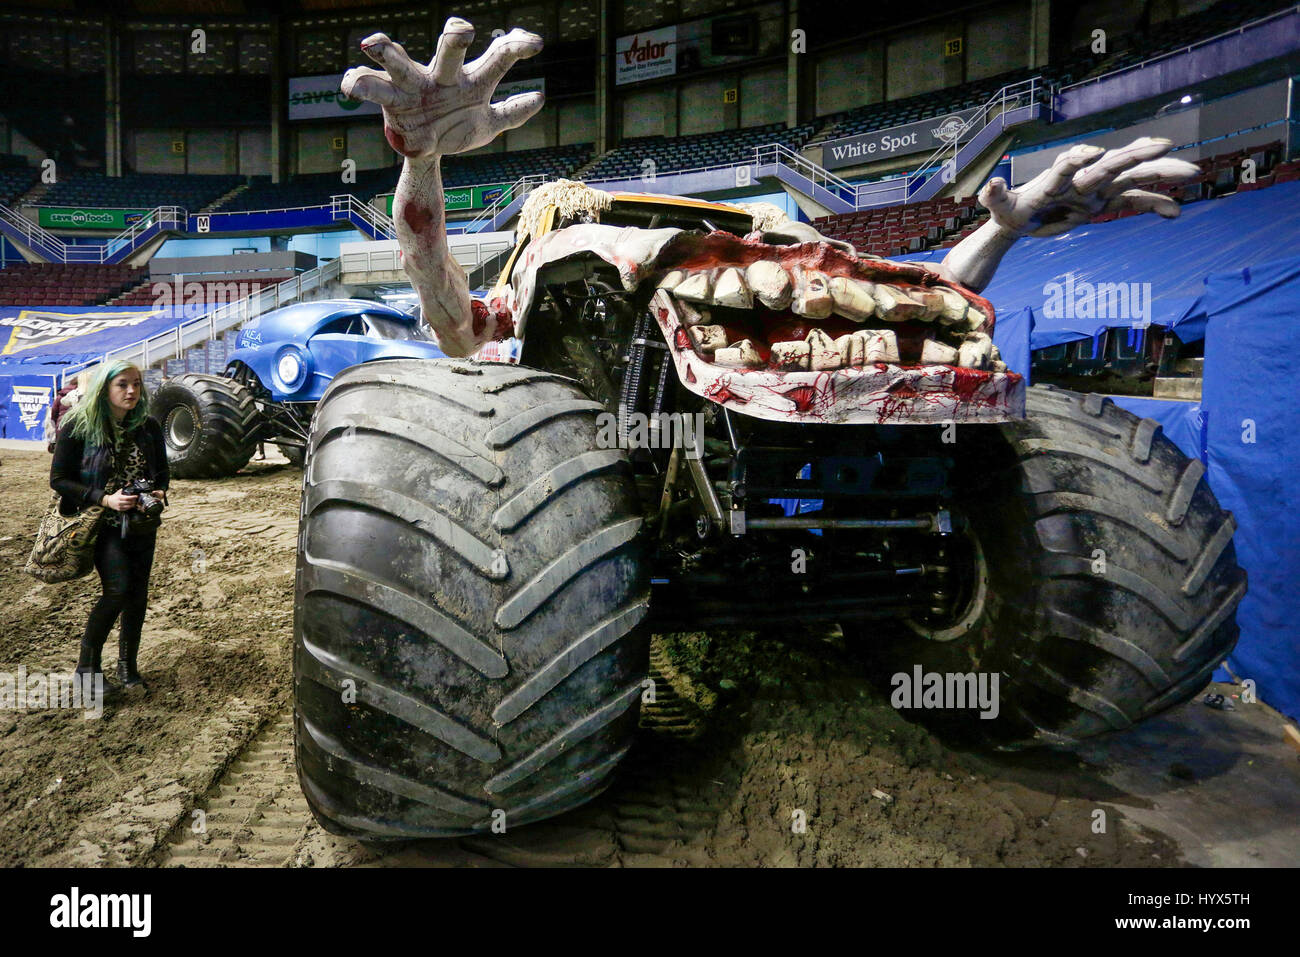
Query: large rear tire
{"x": 1105, "y": 583}
{"x": 209, "y": 425}
{"x": 467, "y": 649}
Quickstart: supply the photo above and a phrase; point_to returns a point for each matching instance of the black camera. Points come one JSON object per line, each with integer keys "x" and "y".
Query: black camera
{"x": 150, "y": 504}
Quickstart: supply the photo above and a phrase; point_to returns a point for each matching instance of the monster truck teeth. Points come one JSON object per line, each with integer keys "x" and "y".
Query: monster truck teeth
{"x": 731, "y": 290}
{"x": 812, "y": 294}
{"x": 697, "y": 287}
{"x": 770, "y": 283}
{"x": 853, "y": 298}
{"x": 707, "y": 339}
{"x": 742, "y": 355}
{"x": 934, "y": 352}
{"x": 976, "y": 352}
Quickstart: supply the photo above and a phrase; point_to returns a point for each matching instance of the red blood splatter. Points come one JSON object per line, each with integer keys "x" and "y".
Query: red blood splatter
{"x": 417, "y": 216}
{"x": 967, "y": 382}
{"x": 690, "y": 373}
{"x": 396, "y": 140}
{"x": 479, "y": 322}
{"x": 663, "y": 315}
{"x": 681, "y": 340}
{"x": 802, "y": 396}
{"x": 505, "y": 326}
{"x": 720, "y": 391}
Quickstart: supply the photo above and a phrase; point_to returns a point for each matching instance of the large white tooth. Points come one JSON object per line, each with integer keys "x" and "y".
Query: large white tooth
{"x": 770, "y": 283}
{"x": 852, "y": 297}
{"x": 976, "y": 352}
{"x": 894, "y": 305}
{"x": 931, "y": 300}
{"x": 881, "y": 346}
{"x": 672, "y": 280}
{"x": 823, "y": 353}
{"x": 954, "y": 307}
{"x": 730, "y": 290}
{"x": 974, "y": 317}
{"x": 742, "y": 354}
{"x": 708, "y": 338}
{"x": 695, "y": 287}
{"x": 692, "y": 316}
{"x": 791, "y": 355}
{"x": 852, "y": 349}
{"x": 934, "y": 352}
{"x": 997, "y": 365}
{"x": 812, "y": 294}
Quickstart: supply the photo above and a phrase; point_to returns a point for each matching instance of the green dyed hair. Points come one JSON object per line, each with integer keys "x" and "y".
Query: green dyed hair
{"x": 92, "y": 419}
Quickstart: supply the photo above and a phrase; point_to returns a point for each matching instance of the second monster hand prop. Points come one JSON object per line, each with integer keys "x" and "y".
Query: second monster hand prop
{"x": 445, "y": 108}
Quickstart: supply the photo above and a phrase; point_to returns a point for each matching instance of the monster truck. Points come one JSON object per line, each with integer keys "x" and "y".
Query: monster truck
{"x": 282, "y": 363}
{"x": 482, "y": 555}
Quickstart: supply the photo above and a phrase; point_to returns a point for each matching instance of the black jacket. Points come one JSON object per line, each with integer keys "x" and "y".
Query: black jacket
{"x": 79, "y": 472}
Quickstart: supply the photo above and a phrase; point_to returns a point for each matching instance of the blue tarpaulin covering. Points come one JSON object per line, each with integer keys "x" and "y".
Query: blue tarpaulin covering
{"x": 1249, "y": 394}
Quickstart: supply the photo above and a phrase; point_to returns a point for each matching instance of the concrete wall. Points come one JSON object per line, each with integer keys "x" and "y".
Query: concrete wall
{"x": 914, "y": 62}
{"x": 997, "y": 40}
{"x": 762, "y": 97}
{"x": 700, "y": 106}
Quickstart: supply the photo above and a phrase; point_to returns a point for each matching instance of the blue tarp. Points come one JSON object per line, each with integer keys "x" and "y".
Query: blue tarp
{"x": 1183, "y": 423}
{"x": 1251, "y": 371}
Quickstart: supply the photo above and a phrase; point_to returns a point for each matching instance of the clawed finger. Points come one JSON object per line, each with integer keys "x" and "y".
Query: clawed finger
{"x": 1058, "y": 178}
{"x": 404, "y": 74}
{"x": 503, "y": 53}
{"x": 374, "y": 86}
{"x": 995, "y": 197}
{"x": 1166, "y": 170}
{"x": 1145, "y": 202}
{"x": 457, "y": 35}
{"x": 1116, "y": 161}
{"x": 516, "y": 110}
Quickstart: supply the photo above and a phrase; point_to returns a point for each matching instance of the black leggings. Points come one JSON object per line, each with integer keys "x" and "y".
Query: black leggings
{"x": 124, "y": 565}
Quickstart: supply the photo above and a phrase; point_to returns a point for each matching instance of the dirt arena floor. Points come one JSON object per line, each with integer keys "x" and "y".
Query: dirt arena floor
{"x": 746, "y": 731}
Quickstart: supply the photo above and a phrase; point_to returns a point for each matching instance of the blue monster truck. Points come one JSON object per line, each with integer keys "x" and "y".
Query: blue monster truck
{"x": 282, "y": 364}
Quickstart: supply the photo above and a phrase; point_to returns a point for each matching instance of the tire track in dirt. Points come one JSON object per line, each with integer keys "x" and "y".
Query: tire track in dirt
{"x": 254, "y": 815}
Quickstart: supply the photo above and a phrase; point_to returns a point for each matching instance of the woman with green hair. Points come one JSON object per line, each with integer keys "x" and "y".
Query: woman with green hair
{"x": 105, "y": 443}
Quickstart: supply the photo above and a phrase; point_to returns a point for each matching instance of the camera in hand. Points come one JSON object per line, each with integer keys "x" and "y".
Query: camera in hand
{"x": 150, "y": 504}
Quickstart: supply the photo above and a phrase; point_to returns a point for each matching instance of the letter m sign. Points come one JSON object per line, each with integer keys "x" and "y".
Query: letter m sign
{"x": 202, "y": 223}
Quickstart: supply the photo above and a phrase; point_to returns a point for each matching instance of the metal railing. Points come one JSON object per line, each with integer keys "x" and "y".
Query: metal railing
{"x": 1010, "y": 97}
{"x": 345, "y": 206}
{"x": 174, "y": 342}
{"x": 1289, "y": 11}
{"x": 41, "y": 239}
{"x": 519, "y": 189}
{"x": 776, "y": 154}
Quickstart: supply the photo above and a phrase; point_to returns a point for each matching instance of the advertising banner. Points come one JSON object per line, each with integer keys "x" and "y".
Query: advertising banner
{"x": 922, "y": 136}
{"x": 645, "y": 55}
{"x": 67, "y": 333}
{"x": 26, "y": 401}
{"x": 318, "y": 97}
{"x": 79, "y": 217}
{"x": 463, "y": 197}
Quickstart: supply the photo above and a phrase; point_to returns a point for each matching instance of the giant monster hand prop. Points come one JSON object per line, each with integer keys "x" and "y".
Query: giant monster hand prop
{"x": 430, "y": 112}
{"x": 1082, "y": 182}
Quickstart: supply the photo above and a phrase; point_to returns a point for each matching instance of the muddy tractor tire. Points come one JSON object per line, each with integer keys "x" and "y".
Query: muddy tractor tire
{"x": 468, "y": 648}
{"x": 1106, "y": 582}
{"x": 209, "y": 425}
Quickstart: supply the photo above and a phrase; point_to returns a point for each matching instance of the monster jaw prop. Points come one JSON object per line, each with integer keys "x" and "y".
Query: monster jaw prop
{"x": 800, "y": 332}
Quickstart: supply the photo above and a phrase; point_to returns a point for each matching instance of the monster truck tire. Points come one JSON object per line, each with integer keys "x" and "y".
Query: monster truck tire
{"x": 1111, "y": 582}
{"x": 293, "y": 453}
{"x": 468, "y": 649}
{"x": 209, "y": 425}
